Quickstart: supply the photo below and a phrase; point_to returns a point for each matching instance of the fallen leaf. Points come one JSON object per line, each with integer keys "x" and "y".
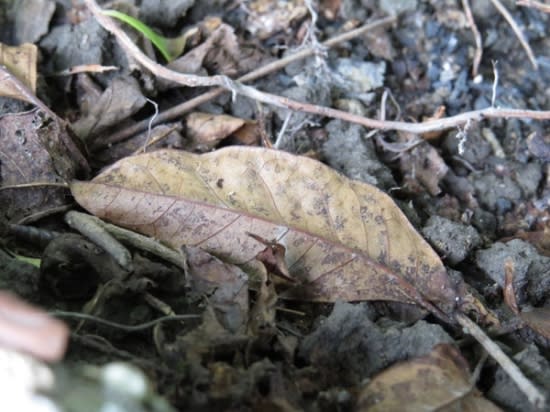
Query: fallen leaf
{"x": 220, "y": 53}
{"x": 439, "y": 381}
{"x": 537, "y": 319}
{"x": 38, "y": 156}
{"x": 21, "y": 62}
{"x": 206, "y": 130}
{"x": 248, "y": 134}
{"x": 344, "y": 239}
{"x": 224, "y": 285}
{"x": 120, "y": 100}
{"x": 420, "y": 164}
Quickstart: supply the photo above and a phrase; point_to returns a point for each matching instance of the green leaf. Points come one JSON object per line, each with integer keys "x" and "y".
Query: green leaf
{"x": 169, "y": 48}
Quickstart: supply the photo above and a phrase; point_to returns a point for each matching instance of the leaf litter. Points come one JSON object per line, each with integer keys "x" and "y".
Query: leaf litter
{"x": 344, "y": 239}
{"x": 266, "y": 363}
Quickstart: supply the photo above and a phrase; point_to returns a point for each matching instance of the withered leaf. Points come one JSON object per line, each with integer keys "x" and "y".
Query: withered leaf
{"x": 207, "y": 130}
{"x": 225, "y": 286}
{"x": 344, "y": 239}
{"x": 21, "y": 61}
{"x": 38, "y": 155}
{"x": 538, "y": 319}
{"x": 439, "y": 381}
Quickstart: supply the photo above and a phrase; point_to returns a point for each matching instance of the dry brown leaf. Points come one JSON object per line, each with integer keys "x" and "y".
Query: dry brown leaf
{"x": 538, "y": 319}
{"x": 225, "y": 286}
{"x": 120, "y": 100}
{"x": 21, "y": 62}
{"x": 344, "y": 239}
{"x": 421, "y": 164}
{"x": 439, "y": 381}
{"x": 37, "y": 156}
{"x": 220, "y": 53}
{"x": 206, "y": 130}
{"x": 248, "y": 134}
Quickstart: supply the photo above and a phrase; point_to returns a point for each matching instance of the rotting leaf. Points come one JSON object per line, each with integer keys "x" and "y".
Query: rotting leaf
{"x": 439, "y": 381}
{"x": 38, "y": 156}
{"x": 344, "y": 239}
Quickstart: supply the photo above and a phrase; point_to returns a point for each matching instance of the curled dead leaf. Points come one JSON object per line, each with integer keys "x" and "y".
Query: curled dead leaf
{"x": 439, "y": 381}
{"x": 344, "y": 239}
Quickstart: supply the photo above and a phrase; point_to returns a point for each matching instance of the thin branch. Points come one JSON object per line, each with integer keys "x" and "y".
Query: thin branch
{"x": 506, "y": 14}
{"x": 278, "y": 101}
{"x": 126, "y": 328}
{"x": 477, "y": 37}
{"x": 534, "y": 4}
{"x": 177, "y": 111}
{"x": 534, "y": 396}
{"x": 495, "y": 84}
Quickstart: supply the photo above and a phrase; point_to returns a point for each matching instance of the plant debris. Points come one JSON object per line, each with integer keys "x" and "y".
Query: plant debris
{"x": 314, "y": 206}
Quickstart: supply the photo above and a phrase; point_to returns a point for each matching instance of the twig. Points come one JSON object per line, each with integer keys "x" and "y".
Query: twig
{"x": 495, "y": 83}
{"x": 88, "y": 226}
{"x": 508, "y": 17}
{"x": 102, "y": 345}
{"x": 126, "y": 328}
{"x": 274, "y": 66}
{"x": 534, "y": 4}
{"x": 149, "y": 126}
{"x": 477, "y": 37}
{"x": 139, "y": 241}
{"x": 235, "y": 87}
{"x": 534, "y": 396}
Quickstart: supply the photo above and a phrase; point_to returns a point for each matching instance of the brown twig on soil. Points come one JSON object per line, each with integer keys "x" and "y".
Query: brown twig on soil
{"x": 477, "y": 37}
{"x": 534, "y": 396}
{"x": 272, "y": 67}
{"x": 121, "y": 326}
{"x": 275, "y": 100}
{"x": 535, "y": 5}
{"x": 508, "y": 17}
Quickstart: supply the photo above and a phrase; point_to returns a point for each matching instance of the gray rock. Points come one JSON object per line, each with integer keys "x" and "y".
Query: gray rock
{"x": 395, "y": 7}
{"x": 530, "y": 268}
{"x": 352, "y": 347}
{"x": 451, "y": 239}
{"x": 347, "y": 151}
{"x": 506, "y": 393}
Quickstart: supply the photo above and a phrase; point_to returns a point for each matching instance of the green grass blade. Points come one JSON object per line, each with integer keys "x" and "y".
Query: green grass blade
{"x": 159, "y": 41}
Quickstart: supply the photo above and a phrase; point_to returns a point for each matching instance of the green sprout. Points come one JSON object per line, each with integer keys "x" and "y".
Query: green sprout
{"x": 169, "y": 48}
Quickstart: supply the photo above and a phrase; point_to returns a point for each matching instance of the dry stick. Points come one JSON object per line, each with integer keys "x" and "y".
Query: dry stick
{"x": 506, "y": 14}
{"x": 121, "y": 326}
{"x": 274, "y": 66}
{"x": 534, "y": 4}
{"x": 238, "y": 88}
{"x": 477, "y": 37}
{"x": 534, "y": 396}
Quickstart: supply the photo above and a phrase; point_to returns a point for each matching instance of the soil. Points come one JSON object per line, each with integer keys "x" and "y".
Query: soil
{"x": 479, "y": 193}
